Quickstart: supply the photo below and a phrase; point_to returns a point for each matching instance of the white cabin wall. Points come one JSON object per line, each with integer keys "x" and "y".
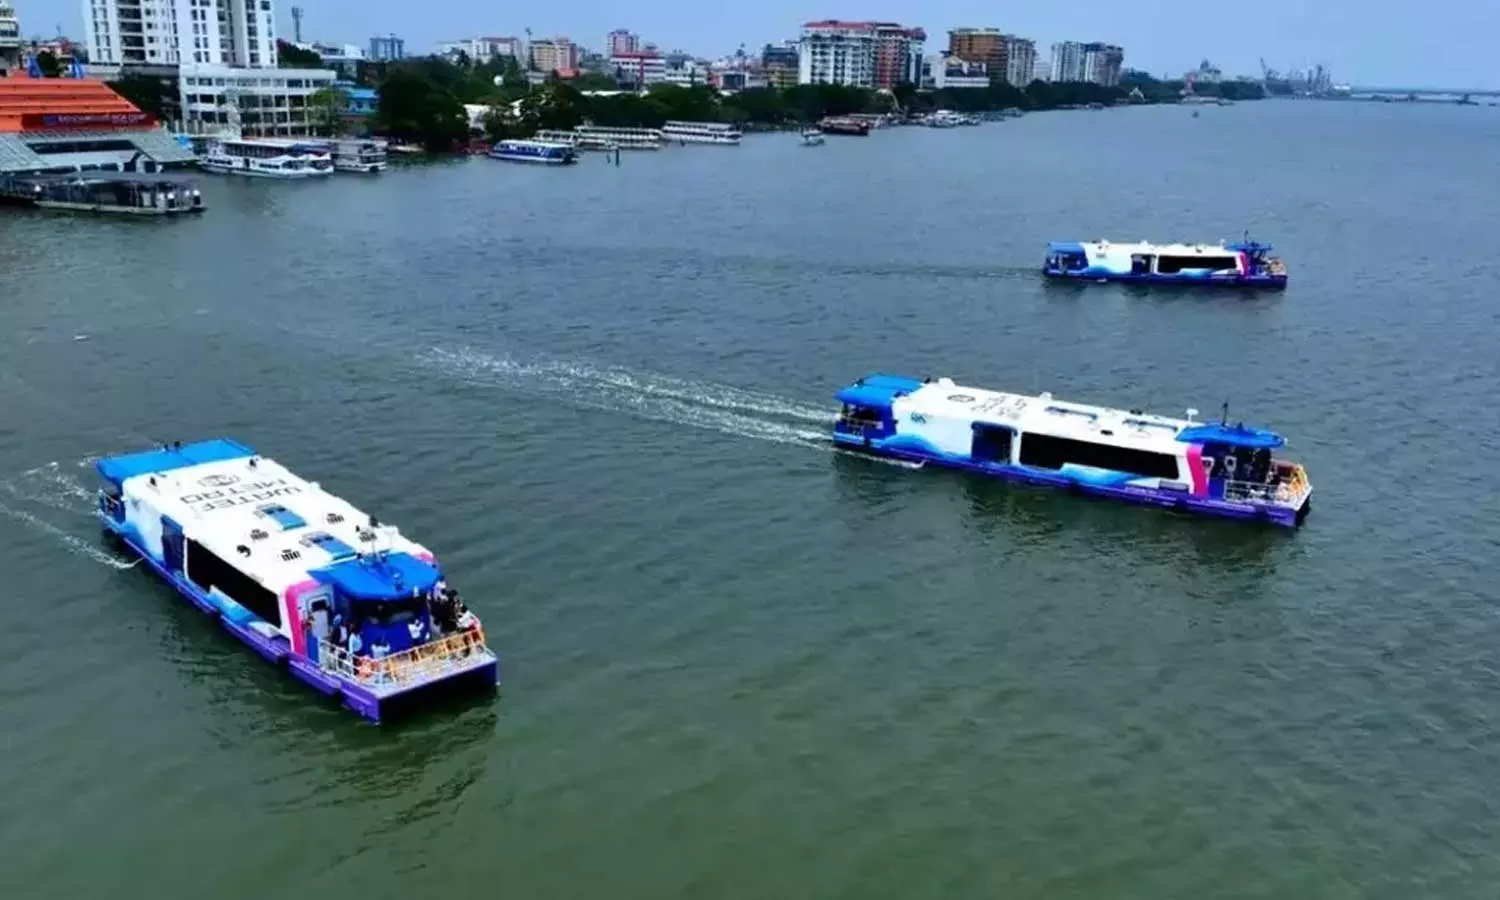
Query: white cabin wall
{"x": 142, "y": 514}
{"x": 950, "y": 435}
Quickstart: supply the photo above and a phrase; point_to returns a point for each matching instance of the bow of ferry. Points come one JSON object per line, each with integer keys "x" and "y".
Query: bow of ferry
{"x": 273, "y": 558}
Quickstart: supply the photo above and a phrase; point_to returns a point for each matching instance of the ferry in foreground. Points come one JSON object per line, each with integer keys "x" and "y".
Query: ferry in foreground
{"x": 349, "y": 606}
{"x": 1213, "y": 469}
{"x": 267, "y": 158}
{"x": 543, "y": 152}
{"x": 1245, "y": 264}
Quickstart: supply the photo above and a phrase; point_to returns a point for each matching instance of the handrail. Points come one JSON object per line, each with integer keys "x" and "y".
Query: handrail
{"x": 1290, "y": 491}
{"x": 420, "y": 663}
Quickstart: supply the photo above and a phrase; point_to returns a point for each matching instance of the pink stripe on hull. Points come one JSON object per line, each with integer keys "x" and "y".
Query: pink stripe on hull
{"x": 294, "y": 615}
{"x": 1195, "y": 466}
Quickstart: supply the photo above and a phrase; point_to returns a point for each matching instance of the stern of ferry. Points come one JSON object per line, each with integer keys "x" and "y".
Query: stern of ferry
{"x": 380, "y": 689}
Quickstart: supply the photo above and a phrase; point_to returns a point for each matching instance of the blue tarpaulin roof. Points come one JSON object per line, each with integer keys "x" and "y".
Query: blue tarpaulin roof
{"x": 1064, "y": 247}
{"x": 118, "y": 468}
{"x": 877, "y": 391}
{"x": 1233, "y": 435}
{"x": 392, "y": 577}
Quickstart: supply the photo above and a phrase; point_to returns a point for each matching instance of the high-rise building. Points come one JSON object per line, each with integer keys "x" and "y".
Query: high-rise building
{"x": 1005, "y": 56}
{"x": 385, "y": 49}
{"x": 780, "y": 64}
{"x": 1095, "y": 62}
{"x": 860, "y": 54}
{"x": 621, "y": 40}
{"x": 554, "y": 55}
{"x": 239, "y": 33}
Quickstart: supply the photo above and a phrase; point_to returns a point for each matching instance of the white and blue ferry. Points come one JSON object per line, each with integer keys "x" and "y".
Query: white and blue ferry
{"x": 1214, "y": 469}
{"x": 351, "y": 607}
{"x": 1245, "y": 264}
{"x": 545, "y": 152}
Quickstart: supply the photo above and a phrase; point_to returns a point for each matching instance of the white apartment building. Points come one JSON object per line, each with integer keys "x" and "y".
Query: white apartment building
{"x": 693, "y": 73}
{"x": 834, "y": 52}
{"x": 1020, "y": 61}
{"x": 168, "y": 32}
{"x": 554, "y": 55}
{"x": 484, "y": 49}
{"x": 268, "y": 102}
{"x": 1095, "y": 62}
{"x": 10, "y": 38}
{"x": 621, "y": 40}
{"x": 640, "y": 67}
{"x": 1067, "y": 61}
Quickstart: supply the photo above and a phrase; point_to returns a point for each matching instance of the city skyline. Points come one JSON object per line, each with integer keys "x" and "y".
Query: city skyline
{"x": 1402, "y": 46}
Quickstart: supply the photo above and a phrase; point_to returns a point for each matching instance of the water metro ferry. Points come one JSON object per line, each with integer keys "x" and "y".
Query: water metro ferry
{"x": 1245, "y": 264}
{"x": 351, "y": 607}
{"x": 1207, "y": 468}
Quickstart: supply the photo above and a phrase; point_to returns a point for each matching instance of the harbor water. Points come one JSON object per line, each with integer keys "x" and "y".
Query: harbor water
{"x": 735, "y": 663}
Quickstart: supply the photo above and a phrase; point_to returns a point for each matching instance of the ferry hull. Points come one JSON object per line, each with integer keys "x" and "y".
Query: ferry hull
{"x": 541, "y": 161}
{"x": 1270, "y": 282}
{"x": 293, "y": 175}
{"x": 258, "y": 635}
{"x": 1284, "y": 516}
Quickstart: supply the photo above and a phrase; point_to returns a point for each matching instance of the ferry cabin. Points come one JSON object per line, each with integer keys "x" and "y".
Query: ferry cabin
{"x": 353, "y": 608}
{"x": 1213, "y": 469}
{"x": 603, "y": 137}
{"x": 267, "y": 158}
{"x": 701, "y": 133}
{"x": 1247, "y": 263}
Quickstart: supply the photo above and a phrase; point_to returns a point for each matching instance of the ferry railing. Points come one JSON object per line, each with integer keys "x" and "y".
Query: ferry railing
{"x": 1290, "y": 490}
{"x": 421, "y": 663}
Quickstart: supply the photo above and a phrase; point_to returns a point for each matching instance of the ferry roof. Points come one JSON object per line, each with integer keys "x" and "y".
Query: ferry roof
{"x": 942, "y": 398}
{"x": 276, "y": 527}
{"x": 1127, "y": 247}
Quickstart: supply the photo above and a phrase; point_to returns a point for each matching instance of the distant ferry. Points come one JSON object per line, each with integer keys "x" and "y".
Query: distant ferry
{"x": 543, "y": 152}
{"x": 845, "y": 125}
{"x": 267, "y": 158}
{"x": 601, "y": 137}
{"x": 701, "y": 133}
{"x": 358, "y": 155}
{"x": 1245, "y": 264}
{"x": 351, "y": 607}
{"x": 1213, "y": 469}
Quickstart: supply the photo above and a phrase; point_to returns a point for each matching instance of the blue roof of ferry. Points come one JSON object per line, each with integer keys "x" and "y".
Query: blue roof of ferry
{"x": 1232, "y": 435}
{"x": 877, "y": 390}
{"x": 1064, "y": 247}
{"x": 392, "y": 577}
{"x": 118, "y": 468}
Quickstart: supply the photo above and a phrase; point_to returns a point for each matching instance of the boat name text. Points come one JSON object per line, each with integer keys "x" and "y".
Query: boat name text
{"x": 231, "y": 496}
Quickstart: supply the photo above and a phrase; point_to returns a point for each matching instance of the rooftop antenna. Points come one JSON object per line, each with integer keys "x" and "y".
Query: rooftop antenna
{"x": 297, "y": 24}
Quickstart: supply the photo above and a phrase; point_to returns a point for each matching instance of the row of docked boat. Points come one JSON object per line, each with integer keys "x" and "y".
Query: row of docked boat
{"x": 362, "y": 613}
{"x": 604, "y": 137}
{"x": 290, "y": 158}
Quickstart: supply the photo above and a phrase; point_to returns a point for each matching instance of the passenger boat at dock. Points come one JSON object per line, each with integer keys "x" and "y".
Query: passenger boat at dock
{"x": 1245, "y": 264}
{"x": 267, "y": 158}
{"x": 362, "y": 155}
{"x": 845, "y": 125}
{"x": 351, "y": 607}
{"x": 604, "y": 137}
{"x": 720, "y": 133}
{"x": 1205, "y": 468}
{"x": 542, "y": 152}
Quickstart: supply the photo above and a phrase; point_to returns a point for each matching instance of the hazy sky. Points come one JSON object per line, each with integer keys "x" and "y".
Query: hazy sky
{"x": 1386, "y": 43}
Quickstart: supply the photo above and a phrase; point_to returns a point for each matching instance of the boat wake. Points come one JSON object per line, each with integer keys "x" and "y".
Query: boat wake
{"x": 57, "y": 488}
{"x": 660, "y": 398}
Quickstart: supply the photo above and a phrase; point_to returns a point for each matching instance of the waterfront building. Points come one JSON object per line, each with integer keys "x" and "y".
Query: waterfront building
{"x": 385, "y": 49}
{"x": 554, "y": 55}
{"x": 1094, "y": 62}
{"x": 945, "y": 71}
{"x": 860, "y": 54}
{"x": 1005, "y": 56}
{"x": 10, "y": 39}
{"x": 258, "y": 102}
{"x": 780, "y": 64}
{"x": 343, "y": 57}
{"x": 621, "y": 40}
{"x": 238, "y": 33}
{"x": 690, "y": 74}
{"x": 78, "y": 124}
{"x": 641, "y": 68}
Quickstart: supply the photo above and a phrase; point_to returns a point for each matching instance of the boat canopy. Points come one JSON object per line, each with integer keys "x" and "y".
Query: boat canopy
{"x": 877, "y": 391}
{"x": 1064, "y": 247}
{"x": 116, "y": 469}
{"x": 1254, "y": 248}
{"x": 393, "y": 576}
{"x": 1232, "y": 435}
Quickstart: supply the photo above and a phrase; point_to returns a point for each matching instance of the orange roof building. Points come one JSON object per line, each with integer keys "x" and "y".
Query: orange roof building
{"x": 77, "y": 124}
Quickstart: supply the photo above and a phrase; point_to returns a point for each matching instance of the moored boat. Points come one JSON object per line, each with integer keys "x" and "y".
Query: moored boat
{"x": 811, "y": 137}
{"x": 1244, "y": 264}
{"x": 542, "y": 152}
{"x": 845, "y": 125}
{"x": 604, "y": 137}
{"x": 720, "y": 133}
{"x": 362, "y": 155}
{"x": 351, "y": 607}
{"x": 267, "y": 158}
{"x": 1205, "y": 468}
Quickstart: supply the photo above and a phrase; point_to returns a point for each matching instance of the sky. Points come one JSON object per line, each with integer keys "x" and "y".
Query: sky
{"x": 1367, "y": 43}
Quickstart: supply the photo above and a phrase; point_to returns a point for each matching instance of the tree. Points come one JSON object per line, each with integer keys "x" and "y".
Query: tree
{"x": 414, "y": 107}
{"x": 290, "y": 56}
{"x": 326, "y": 110}
{"x": 154, "y": 96}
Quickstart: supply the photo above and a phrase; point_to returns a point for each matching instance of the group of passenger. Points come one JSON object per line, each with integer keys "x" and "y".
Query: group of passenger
{"x": 348, "y": 639}
{"x": 449, "y": 614}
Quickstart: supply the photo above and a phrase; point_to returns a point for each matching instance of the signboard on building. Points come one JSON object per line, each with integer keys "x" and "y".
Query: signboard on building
{"x": 38, "y": 121}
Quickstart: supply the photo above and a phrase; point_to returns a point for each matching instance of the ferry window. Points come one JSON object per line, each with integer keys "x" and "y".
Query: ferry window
{"x": 1047, "y": 452}
{"x": 1169, "y": 265}
{"x": 209, "y": 571}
